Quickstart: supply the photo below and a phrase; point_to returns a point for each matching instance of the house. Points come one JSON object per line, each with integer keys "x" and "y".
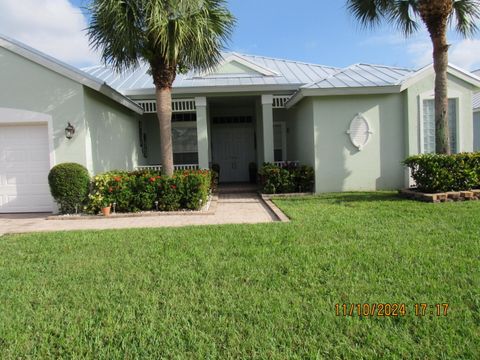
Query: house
{"x": 476, "y": 118}
{"x": 353, "y": 125}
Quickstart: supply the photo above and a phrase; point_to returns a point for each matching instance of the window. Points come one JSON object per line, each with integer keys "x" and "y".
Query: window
{"x": 429, "y": 125}
{"x": 185, "y": 144}
{"x": 278, "y": 143}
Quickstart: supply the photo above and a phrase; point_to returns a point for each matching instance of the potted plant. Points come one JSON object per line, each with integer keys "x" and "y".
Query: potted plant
{"x": 106, "y": 206}
{"x": 252, "y": 171}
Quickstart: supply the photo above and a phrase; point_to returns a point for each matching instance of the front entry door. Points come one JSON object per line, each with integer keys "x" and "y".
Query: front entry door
{"x": 233, "y": 149}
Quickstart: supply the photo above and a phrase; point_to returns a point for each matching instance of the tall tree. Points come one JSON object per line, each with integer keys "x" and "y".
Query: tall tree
{"x": 437, "y": 15}
{"x": 172, "y": 36}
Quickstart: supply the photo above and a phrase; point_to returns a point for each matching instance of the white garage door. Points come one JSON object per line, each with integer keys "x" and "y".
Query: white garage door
{"x": 24, "y": 167}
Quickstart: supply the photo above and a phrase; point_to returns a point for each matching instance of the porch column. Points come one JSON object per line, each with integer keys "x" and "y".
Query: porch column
{"x": 202, "y": 132}
{"x": 267, "y": 127}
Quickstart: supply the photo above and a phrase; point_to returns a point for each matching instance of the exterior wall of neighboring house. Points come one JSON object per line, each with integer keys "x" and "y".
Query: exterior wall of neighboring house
{"x": 476, "y": 130}
{"x": 27, "y": 86}
{"x": 112, "y": 134}
{"x": 340, "y": 166}
{"x": 300, "y": 134}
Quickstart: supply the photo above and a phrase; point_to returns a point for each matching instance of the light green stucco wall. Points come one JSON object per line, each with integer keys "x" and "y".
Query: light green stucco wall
{"x": 113, "y": 134}
{"x": 339, "y": 165}
{"x": 25, "y": 85}
{"x": 476, "y": 131}
{"x": 413, "y": 96}
{"x": 234, "y": 67}
{"x": 300, "y": 135}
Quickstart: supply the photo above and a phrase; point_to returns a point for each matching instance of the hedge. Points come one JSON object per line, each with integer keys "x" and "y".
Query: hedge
{"x": 149, "y": 190}
{"x": 69, "y": 186}
{"x": 289, "y": 178}
{"x": 440, "y": 173}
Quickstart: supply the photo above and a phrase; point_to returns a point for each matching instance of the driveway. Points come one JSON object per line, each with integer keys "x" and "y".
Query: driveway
{"x": 235, "y": 206}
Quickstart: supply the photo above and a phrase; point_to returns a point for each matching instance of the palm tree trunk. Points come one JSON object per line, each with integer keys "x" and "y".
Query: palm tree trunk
{"x": 164, "y": 115}
{"x": 440, "y": 64}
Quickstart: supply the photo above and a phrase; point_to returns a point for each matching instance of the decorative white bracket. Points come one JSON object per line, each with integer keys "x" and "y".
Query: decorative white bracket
{"x": 360, "y": 131}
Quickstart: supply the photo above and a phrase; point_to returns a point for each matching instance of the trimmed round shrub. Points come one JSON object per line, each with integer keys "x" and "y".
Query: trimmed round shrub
{"x": 69, "y": 185}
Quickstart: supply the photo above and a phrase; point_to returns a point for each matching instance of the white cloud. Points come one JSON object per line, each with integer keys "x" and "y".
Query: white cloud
{"x": 466, "y": 54}
{"x": 420, "y": 52}
{"x": 55, "y": 27}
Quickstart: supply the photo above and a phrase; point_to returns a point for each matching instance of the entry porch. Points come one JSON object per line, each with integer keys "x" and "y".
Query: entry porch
{"x": 231, "y": 132}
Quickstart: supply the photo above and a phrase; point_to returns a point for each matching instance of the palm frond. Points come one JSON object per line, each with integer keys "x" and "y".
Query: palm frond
{"x": 369, "y": 13}
{"x": 404, "y": 14}
{"x": 115, "y": 30}
{"x": 466, "y": 14}
{"x": 189, "y": 34}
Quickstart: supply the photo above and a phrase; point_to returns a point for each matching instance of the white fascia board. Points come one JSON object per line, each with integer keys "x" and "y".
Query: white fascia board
{"x": 232, "y": 89}
{"x": 456, "y": 71}
{"x": 366, "y": 90}
{"x": 69, "y": 72}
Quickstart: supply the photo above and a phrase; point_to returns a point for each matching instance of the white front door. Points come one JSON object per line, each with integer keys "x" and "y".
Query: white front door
{"x": 24, "y": 167}
{"x": 233, "y": 149}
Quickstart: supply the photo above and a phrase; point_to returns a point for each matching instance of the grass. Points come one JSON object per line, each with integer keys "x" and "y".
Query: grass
{"x": 263, "y": 291}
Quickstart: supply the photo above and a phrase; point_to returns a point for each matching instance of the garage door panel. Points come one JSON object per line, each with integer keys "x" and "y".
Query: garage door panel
{"x": 24, "y": 169}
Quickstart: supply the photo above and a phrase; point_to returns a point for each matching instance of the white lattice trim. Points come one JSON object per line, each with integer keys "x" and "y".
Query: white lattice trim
{"x": 176, "y": 167}
{"x": 178, "y": 105}
{"x": 279, "y": 101}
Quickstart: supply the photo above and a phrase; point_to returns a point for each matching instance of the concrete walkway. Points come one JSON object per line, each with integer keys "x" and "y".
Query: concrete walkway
{"x": 236, "y": 205}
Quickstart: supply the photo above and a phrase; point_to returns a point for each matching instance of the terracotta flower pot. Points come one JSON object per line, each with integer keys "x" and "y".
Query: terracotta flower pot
{"x": 106, "y": 211}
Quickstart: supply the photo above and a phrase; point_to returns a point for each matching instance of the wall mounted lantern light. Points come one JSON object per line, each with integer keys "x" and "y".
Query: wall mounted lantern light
{"x": 69, "y": 131}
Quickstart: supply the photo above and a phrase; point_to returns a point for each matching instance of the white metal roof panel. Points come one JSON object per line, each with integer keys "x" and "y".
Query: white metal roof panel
{"x": 362, "y": 75}
{"x": 289, "y": 73}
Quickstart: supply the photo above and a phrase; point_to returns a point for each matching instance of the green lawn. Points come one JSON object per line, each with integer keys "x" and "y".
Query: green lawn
{"x": 263, "y": 291}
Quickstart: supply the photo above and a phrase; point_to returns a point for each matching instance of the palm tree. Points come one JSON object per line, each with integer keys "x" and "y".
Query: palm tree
{"x": 170, "y": 35}
{"x": 437, "y": 15}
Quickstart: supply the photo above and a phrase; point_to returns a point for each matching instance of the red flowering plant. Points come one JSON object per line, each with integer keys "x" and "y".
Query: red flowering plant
{"x": 196, "y": 188}
{"x": 170, "y": 192}
{"x": 149, "y": 190}
{"x": 145, "y": 190}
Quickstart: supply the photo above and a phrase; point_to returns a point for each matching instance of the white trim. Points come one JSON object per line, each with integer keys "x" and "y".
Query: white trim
{"x": 411, "y": 79}
{"x": 9, "y": 116}
{"x": 178, "y": 106}
{"x": 200, "y": 101}
{"x": 279, "y": 101}
{"x": 362, "y": 118}
{"x": 219, "y": 90}
{"x": 68, "y": 71}
{"x": 267, "y": 99}
{"x": 364, "y": 90}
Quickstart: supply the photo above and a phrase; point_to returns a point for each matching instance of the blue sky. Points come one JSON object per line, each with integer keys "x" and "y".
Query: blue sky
{"x": 306, "y": 30}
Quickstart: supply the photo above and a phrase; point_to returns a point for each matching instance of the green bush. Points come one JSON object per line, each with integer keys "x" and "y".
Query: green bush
{"x": 69, "y": 186}
{"x": 147, "y": 190}
{"x": 289, "y": 178}
{"x": 439, "y": 173}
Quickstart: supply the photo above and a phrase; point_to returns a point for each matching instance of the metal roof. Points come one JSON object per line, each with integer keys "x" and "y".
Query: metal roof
{"x": 66, "y": 70}
{"x": 363, "y": 75}
{"x": 476, "y": 97}
{"x": 285, "y": 72}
